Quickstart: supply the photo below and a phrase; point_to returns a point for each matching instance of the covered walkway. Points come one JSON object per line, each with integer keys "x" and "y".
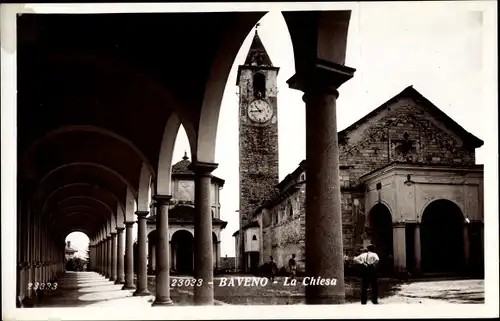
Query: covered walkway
{"x": 105, "y": 106}
{"x": 83, "y": 289}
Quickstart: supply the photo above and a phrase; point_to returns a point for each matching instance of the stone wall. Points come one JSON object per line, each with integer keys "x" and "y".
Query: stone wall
{"x": 284, "y": 231}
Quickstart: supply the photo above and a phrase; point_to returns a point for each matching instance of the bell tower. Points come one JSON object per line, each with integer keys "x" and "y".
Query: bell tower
{"x": 258, "y": 134}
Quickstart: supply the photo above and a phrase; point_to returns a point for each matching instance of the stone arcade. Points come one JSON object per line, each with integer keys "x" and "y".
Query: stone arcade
{"x": 408, "y": 183}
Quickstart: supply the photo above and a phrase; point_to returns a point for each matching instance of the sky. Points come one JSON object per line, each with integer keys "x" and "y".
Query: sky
{"x": 437, "y": 50}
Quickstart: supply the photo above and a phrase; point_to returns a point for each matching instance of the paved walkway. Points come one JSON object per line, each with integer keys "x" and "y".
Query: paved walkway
{"x": 89, "y": 289}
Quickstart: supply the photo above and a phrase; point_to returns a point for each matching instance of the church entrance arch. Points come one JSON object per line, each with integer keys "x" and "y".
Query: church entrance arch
{"x": 183, "y": 252}
{"x": 380, "y": 233}
{"x": 442, "y": 237}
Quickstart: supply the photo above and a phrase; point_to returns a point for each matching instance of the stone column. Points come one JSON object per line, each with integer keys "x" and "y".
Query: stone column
{"x": 95, "y": 257}
{"x": 142, "y": 264}
{"x": 399, "y": 246}
{"x": 162, "y": 252}
{"x": 99, "y": 257}
{"x": 114, "y": 252}
{"x": 129, "y": 257}
{"x": 466, "y": 246}
{"x": 120, "y": 271}
{"x": 418, "y": 249}
{"x": 104, "y": 256}
{"x": 324, "y": 243}
{"x": 203, "y": 255}
{"x": 109, "y": 266}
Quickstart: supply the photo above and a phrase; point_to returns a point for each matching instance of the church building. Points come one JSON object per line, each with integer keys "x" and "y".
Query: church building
{"x": 181, "y": 221}
{"x": 409, "y": 184}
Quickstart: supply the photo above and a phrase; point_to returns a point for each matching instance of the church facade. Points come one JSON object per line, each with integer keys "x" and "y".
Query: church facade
{"x": 181, "y": 216}
{"x": 409, "y": 185}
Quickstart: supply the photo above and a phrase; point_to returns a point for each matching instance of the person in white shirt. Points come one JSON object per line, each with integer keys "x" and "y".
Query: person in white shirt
{"x": 369, "y": 261}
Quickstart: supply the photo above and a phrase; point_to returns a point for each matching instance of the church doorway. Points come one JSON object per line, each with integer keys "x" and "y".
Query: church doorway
{"x": 182, "y": 252}
{"x": 442, "y": 238}
{"x": 380, "y": 233}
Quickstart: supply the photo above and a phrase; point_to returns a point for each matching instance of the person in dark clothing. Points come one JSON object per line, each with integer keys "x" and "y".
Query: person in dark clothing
{"x": 293, "y": 266}
{"x": 368, "y": 261}
{"x": 272, "y": 269}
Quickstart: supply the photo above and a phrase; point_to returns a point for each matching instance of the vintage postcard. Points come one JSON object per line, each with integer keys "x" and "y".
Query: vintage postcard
{"x": 249, "y": 160}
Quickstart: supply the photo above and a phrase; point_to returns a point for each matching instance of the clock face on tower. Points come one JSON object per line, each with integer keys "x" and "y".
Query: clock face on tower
{"x": 260, "y": 111}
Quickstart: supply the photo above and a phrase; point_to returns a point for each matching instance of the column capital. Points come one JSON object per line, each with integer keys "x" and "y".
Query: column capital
{"x": 399, "y": 225}
{"x": 129, "y": 223}
{"x": 202, "y": 168}
{"x": 108, "y": 237}
{"x": 141, "y": 213}
{"x": 113, "y": 234}
{"x": 322, "y": 76}
{"x": 162, "y": 199}
{"x": 120, "y": 229}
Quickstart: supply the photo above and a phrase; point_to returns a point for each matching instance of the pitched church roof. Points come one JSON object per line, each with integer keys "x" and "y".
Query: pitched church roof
{"x": 181, "y": 169}
{"x": 438, "y": 114}
{"x": 257, "y": 55}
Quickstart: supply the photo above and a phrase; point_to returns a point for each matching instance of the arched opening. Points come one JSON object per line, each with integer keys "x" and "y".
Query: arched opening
{"x": 380, "y": 232}
{"x": 442, "y": 238}
{"x": 76, "y": 251}
{"x": 259, "y": 85}
{"x": 182, "y": 252}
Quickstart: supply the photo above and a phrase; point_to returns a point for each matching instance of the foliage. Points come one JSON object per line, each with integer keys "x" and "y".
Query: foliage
{"x": 75, "y": 264}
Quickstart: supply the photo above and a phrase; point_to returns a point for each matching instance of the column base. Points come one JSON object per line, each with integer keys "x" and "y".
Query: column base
{"x": 162, "y": 302}
{"x": 128, "y": 287}
{"x": 120, "y": 282}
{"x": 203, "y": 301}
{"x": 141, "y": 293}
{"x": 112, "y": 279}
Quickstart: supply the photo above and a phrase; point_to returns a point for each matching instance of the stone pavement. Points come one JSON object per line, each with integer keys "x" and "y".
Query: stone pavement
{"x": 89, "y": 289}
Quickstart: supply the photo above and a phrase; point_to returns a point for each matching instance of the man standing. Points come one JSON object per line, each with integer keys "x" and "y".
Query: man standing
{"x": 272, "y": 268}
{"x": 369, "y": 261}
{"x": 293, "y": 267}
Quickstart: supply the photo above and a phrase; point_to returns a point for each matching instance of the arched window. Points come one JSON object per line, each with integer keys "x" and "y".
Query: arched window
{"x": 213, "y": 215}
{"x": 303, "y": 177}
{"x": 290, "y": 210}
{"x": 259, "y": 85}
{"x": 254, "y": 238}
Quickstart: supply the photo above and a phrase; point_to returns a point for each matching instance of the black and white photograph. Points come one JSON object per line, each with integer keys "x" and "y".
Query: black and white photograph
{"x": 237, "y": 160}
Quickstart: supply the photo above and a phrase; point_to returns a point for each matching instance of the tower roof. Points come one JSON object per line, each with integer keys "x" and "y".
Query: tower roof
{"x": 257, "y": 55}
